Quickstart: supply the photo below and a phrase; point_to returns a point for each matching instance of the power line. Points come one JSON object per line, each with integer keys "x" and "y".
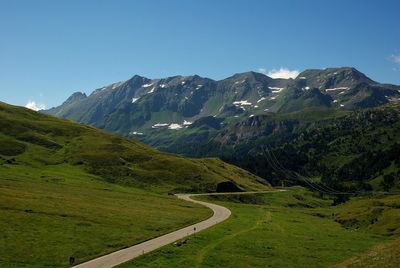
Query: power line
{"x": 275, "y": 166}
{"x": 278, "y": 167}
{"x": 319, "y": 187}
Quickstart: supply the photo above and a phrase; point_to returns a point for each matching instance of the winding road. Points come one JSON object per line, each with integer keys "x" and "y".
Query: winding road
{"x": 115, "y": 258}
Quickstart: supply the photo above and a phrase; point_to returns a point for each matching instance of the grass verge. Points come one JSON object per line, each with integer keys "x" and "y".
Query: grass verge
{"x": 284, "y": 229}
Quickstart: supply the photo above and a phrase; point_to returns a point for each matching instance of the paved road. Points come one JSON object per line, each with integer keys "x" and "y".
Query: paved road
{"x": 124, "y": 255}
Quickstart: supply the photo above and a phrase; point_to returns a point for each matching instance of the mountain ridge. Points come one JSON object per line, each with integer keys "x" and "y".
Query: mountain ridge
{"x": 140, "y": 104}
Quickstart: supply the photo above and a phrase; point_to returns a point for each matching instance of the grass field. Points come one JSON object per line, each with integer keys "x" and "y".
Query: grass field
{"x": 383, "y": 255}
{"x": 284, "y": 229}
{"x": 71, "y": 190}
{"x": 32, "y": 139}
{"x": 47, "y": 216}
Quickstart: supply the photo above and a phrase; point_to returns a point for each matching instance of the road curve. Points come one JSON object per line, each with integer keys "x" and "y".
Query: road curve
{"x": 115, "y": 258}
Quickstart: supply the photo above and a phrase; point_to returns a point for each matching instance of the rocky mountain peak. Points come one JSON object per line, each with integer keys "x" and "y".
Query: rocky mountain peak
{"x": 140, "y": 103}
{"x": 76, "y": 97}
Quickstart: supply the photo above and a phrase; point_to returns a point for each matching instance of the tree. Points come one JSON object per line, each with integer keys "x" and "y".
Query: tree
{"x": 340, "y": 199}
{"x": 388, "y": 182}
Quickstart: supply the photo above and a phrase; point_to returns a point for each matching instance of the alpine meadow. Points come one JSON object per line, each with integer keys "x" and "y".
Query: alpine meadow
{"x": 199, "y": 134}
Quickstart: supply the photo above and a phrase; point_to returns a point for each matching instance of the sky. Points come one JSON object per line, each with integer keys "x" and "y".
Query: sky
{"x": 50, "y": 49}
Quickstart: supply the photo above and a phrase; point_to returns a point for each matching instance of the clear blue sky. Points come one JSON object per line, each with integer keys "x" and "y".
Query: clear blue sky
{"x": 50, "y": 49}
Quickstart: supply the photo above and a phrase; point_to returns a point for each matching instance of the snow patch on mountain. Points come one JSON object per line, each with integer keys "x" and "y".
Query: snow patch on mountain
{"x": 174, "y": 126}
{"x": 135, "y": 133}
{"x": 262, "y": 98}
{"x": 242, "y": 102}
{"x": 337, "y": 88}
{"x": 240, "y": 82}
{"x": 158, "y": 125}
{"x": 276, "y": 89}
{"x": 114, "y": 86}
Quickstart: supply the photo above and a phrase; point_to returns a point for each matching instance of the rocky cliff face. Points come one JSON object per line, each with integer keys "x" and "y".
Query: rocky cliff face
{"x": 140, "y": 105}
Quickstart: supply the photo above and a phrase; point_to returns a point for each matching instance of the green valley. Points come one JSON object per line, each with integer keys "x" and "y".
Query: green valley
{"x": 199, "y": 134}
{"x": 71, "y": 190}
{"x": 285, "y": 229}
{"x": 52, "y": 213}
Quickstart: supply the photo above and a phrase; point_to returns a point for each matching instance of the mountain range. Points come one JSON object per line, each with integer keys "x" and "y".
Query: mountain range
{"x": 71, "y": 188}
{"x": 138, "y": 105}
{"x": 314, "y": 124}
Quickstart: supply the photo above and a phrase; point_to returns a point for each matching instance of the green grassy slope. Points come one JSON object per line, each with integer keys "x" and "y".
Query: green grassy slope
{"x": 376, "y": 214}
{"x": 379, "y": 215}
{"x": 347, "y": 150}
{"x": 224, "y": 136}
{"x": 71, "y": 190}
{"x": 354, "y": 151}
{"x": 37, "y": 140}
{"x": 283, "y": 229}
{"x": 384, "y": 255}
{"x": 58, "y": 211}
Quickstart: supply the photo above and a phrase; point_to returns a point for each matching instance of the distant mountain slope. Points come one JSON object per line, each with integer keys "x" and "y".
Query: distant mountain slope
{"x": 36, "y": 140}
{"x": 349, "y": 151}
{"x": 236, "y": 118}
{"x": 342, "y": 148}
{"x": 139, "y": 105}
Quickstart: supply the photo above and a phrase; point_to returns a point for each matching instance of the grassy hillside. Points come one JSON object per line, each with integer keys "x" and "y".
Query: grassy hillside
{"x": 210, "y": 136}
{"x": 378, "y": 214}
{"x": 358, "y": 151}
{"x": 384, "y": 255}
{"x": 71, "y": 190}
{"x": 352, "y": 151}
{"x": 281, "y": 229}
{"x": 348, "y": 150}
{"x": 37, "y": 140}
{"x": 58, "y": 211}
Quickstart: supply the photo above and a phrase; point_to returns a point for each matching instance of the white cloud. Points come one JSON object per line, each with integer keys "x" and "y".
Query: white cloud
{"x": 395, "y": 58}
{"x": 262, "y": 70}
{"x": 282, "y": 73}
{"x": 35, "y": 106}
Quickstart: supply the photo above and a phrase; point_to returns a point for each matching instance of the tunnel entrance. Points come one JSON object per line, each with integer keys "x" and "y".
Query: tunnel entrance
{"x": 227, "y": 186}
